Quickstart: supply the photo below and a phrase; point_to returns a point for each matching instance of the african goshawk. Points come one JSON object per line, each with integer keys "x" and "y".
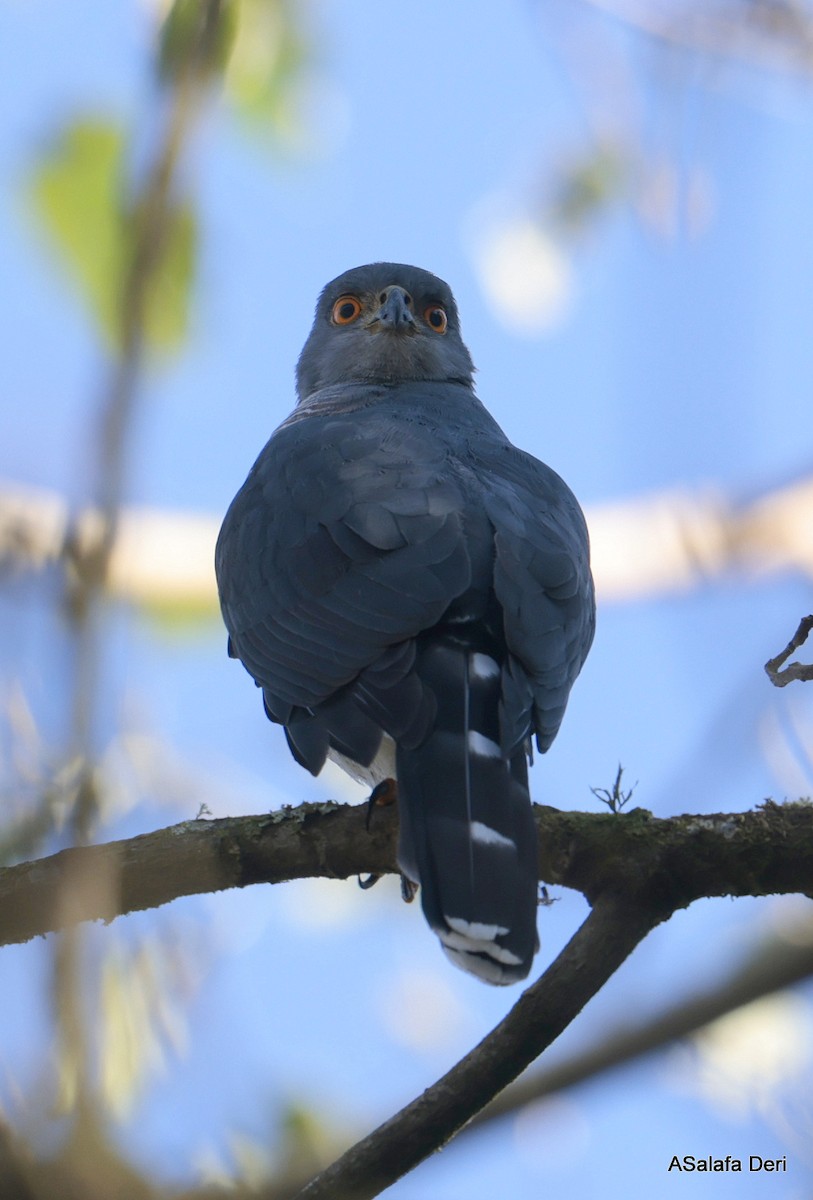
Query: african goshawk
{"x": 413, "y": 595}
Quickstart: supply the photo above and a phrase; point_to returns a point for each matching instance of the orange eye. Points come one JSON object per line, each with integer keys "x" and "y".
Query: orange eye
{"x": 346, "y": 310}
{"x": 435, "y": 316}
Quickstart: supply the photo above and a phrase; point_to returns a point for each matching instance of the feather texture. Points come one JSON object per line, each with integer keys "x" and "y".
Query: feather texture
{"x": 467, "y": 832}
{"x": 411, "y": 592}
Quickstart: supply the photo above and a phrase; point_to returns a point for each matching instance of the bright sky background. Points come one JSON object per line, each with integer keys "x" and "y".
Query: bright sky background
{"x": 676, "y": 356}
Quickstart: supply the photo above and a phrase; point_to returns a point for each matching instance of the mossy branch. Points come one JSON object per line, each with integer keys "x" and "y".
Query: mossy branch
{"x": 659, "y": 864}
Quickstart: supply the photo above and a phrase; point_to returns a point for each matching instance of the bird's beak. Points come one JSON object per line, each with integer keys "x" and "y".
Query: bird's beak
{"x": 395, "y": 313}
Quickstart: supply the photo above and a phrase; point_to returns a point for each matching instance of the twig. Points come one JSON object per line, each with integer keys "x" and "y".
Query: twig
{"x": 613, "y": 797}
{"x": 796, "y": 670}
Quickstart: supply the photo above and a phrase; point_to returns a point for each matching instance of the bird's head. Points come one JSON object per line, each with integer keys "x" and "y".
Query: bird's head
{"x": 384, "y": 323}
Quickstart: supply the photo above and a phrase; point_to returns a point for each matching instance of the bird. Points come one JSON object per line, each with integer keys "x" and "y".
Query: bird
{"x": 413, "y": 595}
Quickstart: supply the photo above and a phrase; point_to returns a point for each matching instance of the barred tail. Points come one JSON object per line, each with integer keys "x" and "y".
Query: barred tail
{"x": 467, "y": 829}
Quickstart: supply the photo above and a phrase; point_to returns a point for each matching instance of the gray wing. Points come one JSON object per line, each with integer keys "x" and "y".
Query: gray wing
{"x": 543, "y": 583}
{"x": 402, "y": 570}
{"x": 357, "y": 531}
{"x": 346, "y": 539}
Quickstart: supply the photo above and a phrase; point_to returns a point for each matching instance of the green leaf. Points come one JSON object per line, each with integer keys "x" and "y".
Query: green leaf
{"x": 196, "y": 36}
{"x": 79, "y": 193}
{"x": 266, "y": 63}
{"x": 589, "y": 185}
{"x": 166, "y": 314}
{"x": 76, "y": 194}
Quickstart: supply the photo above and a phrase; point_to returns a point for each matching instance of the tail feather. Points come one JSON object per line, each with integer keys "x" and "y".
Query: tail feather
{"x": 467, "y": 829}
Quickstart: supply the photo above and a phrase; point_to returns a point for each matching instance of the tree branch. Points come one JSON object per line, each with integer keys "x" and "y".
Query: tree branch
{"x": 661, "y": 864}
{"x": 635, "y": 870}
{"x": 776, "y": 965}
{"x": 613, "y": 929}
{"x": 109, "y": 880}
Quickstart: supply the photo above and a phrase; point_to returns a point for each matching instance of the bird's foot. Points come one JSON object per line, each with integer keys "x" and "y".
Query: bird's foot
{"x": 383, "y": 795}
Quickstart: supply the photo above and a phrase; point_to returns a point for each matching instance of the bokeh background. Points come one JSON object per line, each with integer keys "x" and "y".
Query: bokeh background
{"x": 620, "y": 195}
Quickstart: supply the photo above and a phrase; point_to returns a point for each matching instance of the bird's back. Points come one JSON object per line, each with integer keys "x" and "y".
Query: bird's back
{"x": 413, "y": 595}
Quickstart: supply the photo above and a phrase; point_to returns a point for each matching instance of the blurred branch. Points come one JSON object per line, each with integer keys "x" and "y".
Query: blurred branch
{"x": 662, "y": 865}
{"x": 779, "y": 963}
{"x": 159, "y": 558}
{"x": 775, "y": 965}
{"x": 148, "y": 229}
{"x": 649, "y": 545}
{"x": 151, "y": 212}
{"x": 87, "y": 1168}
{"x": 151, "y": 218}
{"x": 676, "y": 540}
{"x": 611, "y": 932}
{"x": 774, "y": 34}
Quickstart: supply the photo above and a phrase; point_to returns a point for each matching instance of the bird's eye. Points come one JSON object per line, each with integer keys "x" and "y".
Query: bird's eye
{"x": 435, "y": 316}
{"x": 346, "y": 310}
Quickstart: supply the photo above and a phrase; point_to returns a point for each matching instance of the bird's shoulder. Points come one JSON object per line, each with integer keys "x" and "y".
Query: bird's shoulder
{"x": 373, "y": 457}
{"x": 346, "y": 445}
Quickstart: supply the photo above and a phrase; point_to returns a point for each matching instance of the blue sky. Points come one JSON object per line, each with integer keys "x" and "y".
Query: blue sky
{"x": 680, "y": 360}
